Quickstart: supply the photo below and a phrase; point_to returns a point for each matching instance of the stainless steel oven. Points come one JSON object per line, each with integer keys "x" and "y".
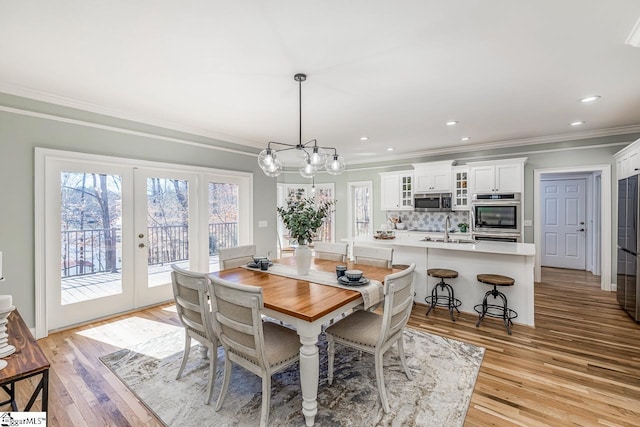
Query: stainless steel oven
{"x": 432, "y": 202}
{"x": 496, "y": 215}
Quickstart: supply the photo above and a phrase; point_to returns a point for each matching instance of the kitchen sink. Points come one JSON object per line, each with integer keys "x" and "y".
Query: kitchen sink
{"x": 451, "y": 240}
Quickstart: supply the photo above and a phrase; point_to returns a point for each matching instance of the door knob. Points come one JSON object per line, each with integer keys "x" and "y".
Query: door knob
{"x": 581, "y": 222}
{"x": 141, "y": 245}
{"x": 580, "y": 229}
{"x": 140, "y": 235}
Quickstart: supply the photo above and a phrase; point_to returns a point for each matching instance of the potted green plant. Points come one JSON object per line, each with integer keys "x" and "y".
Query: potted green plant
{"x": 302, "y": 217}
{"x": 463, "y": 227}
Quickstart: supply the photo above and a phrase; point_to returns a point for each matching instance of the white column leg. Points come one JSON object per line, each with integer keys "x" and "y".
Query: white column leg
{"x": 309, "y": 370}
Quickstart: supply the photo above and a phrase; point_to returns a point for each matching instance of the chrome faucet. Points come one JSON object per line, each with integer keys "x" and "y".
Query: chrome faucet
{"x": 447, "y": 226}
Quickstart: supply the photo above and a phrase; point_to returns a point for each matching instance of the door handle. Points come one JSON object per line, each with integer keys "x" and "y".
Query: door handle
{"x": 580, "y": 229}
{"x": 142, "y": 245}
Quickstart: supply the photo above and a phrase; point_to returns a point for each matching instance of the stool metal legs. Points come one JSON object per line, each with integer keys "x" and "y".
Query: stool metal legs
{"x": 448, "y": 301}
{"x": 493, "y": 310}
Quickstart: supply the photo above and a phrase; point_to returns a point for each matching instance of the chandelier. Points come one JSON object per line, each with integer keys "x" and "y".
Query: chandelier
{"x": 312, "y": 156}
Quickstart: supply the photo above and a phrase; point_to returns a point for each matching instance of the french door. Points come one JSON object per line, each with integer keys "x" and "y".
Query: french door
{"x": 112, "y": 232}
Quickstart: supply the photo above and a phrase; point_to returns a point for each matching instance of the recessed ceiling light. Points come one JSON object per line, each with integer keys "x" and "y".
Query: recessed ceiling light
{"x": 452, "y": 123}
{"x": 578, "y": 123}
{"x": 465, "y": 138}
{"x": 590, "y": 98}
{"x": 390, "y": 149}
{"x": 364, "y": 138}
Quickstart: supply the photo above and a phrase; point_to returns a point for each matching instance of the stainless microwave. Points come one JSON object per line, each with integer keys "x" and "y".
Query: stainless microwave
{"x": 432, "y": 202}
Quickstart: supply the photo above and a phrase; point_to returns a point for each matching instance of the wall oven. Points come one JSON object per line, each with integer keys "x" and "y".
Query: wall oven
{"x": 496, "y": 216}
{"x": 432, "y": 202}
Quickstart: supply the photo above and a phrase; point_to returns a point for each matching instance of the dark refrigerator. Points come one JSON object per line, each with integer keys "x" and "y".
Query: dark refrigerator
{"x": 627, "y": 284}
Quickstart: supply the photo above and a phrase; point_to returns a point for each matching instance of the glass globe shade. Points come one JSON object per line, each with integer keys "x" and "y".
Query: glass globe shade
{"x": 266, "y": 157}
{"x": 335, "y": 165}
{"x": 307, "y": 170}
{"x": 274, "y": 169}
{"x": 317, "y": 158}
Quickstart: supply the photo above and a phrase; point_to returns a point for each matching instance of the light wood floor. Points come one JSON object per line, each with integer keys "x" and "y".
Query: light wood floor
{"x": 580, "y": 365}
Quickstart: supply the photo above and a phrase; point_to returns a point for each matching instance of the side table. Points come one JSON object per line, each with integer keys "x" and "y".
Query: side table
{"x": 28, "y": 361}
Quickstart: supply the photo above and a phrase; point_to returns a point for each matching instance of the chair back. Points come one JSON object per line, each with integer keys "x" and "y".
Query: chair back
{"x": 398, "y": 302}
{"x": 370, "y": 255}
{"x": 331, "y": 251}
{"x": 236, "y": 256}
{"x": 236, "y": 314}
{"x": 190, "y": 293}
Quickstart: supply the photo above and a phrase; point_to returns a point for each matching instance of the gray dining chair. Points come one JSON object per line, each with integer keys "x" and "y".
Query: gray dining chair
{"x": 331, "y": 251}
{"x": 374, "y": 333}
{"x": 190, "y": 293}
{"x": 236, "y": 256}
{"x": 262, "y": 348}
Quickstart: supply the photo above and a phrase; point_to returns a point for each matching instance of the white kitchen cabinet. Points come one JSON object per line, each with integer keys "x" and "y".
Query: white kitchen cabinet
{"x": 433, "y": 177}
{"x": 499, "y": 176}
{"x": 628, "y": 160}
{"x": 460, "y": 175}
{"x": 396, "y": 191}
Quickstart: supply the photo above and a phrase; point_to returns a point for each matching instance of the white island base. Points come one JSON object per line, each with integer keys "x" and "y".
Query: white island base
{"x": 515, "y": 260}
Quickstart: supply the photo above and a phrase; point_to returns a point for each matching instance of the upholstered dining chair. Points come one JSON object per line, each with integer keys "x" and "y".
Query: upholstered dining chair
{"x": 374, "y": 333}
{"x": 370, "y": 255}
{"x": 190, "y": 293}
{"x": 262, "y": 348}
{"x": 331, "y": 251}
{"x": 236, "y": 256}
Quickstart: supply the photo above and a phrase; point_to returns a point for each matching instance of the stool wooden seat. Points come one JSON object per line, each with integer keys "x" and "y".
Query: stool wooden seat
{"x": 442, "y": 273}
{"x": 435, "y": 299}
{"x": 495, "y": 279}
{"x": 494, "y": 310}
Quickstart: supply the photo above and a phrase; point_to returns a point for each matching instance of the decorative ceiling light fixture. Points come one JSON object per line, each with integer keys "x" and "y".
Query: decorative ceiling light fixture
{"x": 313, "y": 156}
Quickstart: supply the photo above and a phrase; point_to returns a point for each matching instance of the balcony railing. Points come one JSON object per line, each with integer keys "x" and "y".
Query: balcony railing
{"x": 100, "y": 250}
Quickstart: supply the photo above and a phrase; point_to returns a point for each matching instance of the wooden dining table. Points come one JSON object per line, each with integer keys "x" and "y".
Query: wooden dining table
{"x": 307, "y": 306}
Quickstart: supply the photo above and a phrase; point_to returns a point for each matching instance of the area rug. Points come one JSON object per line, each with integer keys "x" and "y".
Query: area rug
{"x": 444, "y": 372}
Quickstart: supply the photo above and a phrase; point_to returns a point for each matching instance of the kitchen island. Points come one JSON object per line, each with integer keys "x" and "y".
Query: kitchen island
{"x": 515, "y": 260}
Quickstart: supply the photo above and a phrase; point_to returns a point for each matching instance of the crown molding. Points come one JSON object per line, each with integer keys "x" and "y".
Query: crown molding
{"x": 511, "y": 143}
{"x": 468, "y": 159}
{"x": 634, "y": 35}
{"x": 122, "y": 130}
{"x": 38, "y": 95}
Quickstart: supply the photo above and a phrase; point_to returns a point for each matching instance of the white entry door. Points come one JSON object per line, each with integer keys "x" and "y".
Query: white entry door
{"x": 564, "y": 223}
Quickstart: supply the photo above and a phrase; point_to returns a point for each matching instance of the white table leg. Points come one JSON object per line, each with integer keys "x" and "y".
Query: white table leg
{"x": 309, "y": 369}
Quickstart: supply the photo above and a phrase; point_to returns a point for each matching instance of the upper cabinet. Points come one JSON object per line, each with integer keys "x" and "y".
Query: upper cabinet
{"x": 498, "y": 176}
{"x": 434, "y": 177}
{"x": 460, "y": 175}
{"x": 628, "y": 160}
{"x": 396, "y": 191}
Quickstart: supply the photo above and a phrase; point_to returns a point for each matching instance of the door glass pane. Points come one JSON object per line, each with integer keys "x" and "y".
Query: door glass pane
{"x": 362, "y": 216}
{"x": 324, "y": 233}
{"x": 223, "y": 220}
{"x": 91, "y": 221}
{"x": 167, "y": 228}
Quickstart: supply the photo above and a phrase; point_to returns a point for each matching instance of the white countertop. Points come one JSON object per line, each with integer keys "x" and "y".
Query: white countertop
{"x": 504, "y": 248}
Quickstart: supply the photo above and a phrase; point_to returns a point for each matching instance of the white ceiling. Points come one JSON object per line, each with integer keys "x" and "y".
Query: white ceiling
{"x": 394, "y": 71}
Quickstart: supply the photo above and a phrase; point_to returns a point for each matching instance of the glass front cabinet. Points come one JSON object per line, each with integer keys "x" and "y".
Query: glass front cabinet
{"x": 460, "y": 188}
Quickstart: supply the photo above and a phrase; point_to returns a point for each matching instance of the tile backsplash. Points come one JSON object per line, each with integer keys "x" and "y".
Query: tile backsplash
{"x": 428, "y": 220}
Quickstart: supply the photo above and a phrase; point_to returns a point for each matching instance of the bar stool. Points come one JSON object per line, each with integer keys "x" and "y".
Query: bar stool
{"x": 494, "y": 310}
{"x": 437, "y": 300}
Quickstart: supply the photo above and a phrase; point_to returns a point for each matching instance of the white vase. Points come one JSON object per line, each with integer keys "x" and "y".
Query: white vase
{"x": 303, "y": 259}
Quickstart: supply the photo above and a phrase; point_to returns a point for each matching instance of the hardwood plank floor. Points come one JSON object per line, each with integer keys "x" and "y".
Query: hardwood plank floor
{"x": 580, "y": 365}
